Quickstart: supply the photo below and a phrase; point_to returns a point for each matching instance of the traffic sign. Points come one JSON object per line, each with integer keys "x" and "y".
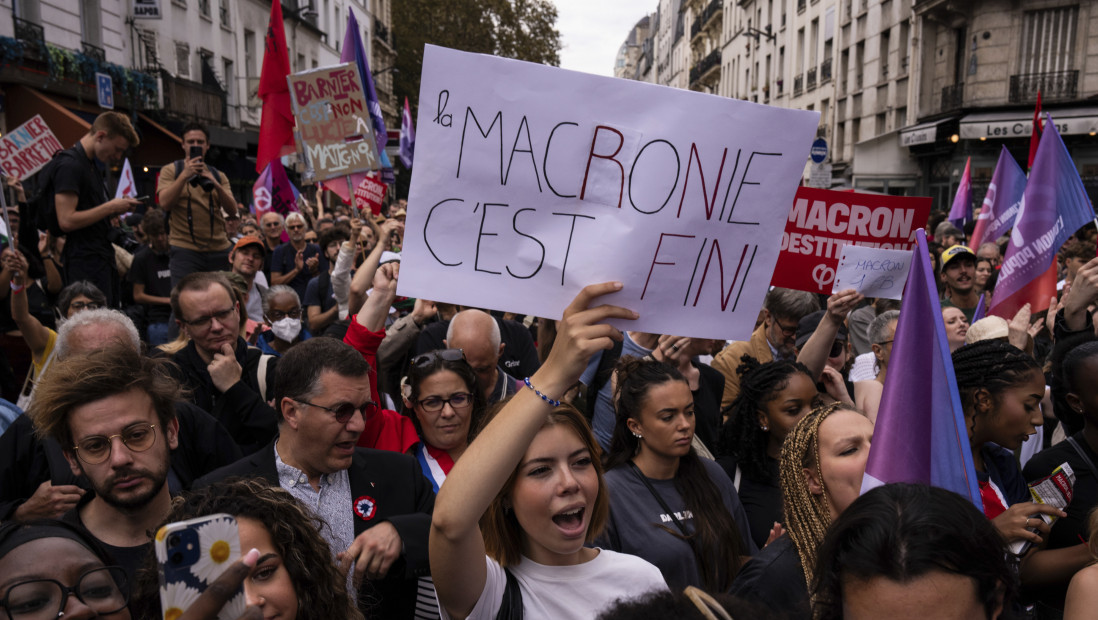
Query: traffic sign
{"x": 104, "y": 87}
{"x": 819, "y": 151}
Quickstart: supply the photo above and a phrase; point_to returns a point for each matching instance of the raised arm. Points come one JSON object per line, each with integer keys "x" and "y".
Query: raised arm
{"x": 34, "y": 333}
{"x": 456, "y": 544}
{"x": 814, "y": 352}
{"x": 365, "y": 274}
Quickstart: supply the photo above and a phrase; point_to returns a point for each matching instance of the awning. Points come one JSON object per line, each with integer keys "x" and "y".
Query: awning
{"x": 1019, "y": 123}
{"x": 923, "y": 133}
{"x": 880, "y": 158}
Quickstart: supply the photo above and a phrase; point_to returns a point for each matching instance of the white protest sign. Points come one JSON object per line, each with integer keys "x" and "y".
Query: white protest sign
{"x": 873, "y": 272}
{"x": 532, "y": 182}
{"x": 28, "y": 147}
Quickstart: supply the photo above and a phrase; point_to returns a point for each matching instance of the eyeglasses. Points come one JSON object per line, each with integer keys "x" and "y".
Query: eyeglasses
{"x": 787, "y": 331}
{"x": 296, "y": 226}
{"x": 271, "y": 224}
{"x": 105, "y": 590}
{"x": 85, "y": 305}
{"x": 222, "y": 317}
{"x": 97, "y": 448}
{"x": 434, "y": 404}
{"x": 884, "y": 343}
{"x": 344, "y": 412}
{"x": 278, "y": 315}
{"x": 446, "y": 355}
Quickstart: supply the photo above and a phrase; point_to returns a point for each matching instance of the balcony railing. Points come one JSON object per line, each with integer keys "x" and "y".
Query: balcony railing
{"x": 811, "y": 81}
{"x": 798, "y": 85}
{"x": 33, "y": 37}
{"x": 193, "y": 100}
{"x": 700, "y": 68}
{"x": 704, "y": 16}
{"x": 93, "y": 51}
{"x": 381, "y": 31}
{"x": 953, "y": 97}
{"x": 825, "y": 71}
{"x": 1055, "y": 86}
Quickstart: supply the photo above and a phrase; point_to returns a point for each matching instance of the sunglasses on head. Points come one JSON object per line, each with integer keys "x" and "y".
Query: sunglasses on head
{"x": 446, "y": 355}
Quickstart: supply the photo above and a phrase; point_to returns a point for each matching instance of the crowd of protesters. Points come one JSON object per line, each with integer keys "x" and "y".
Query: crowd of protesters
{"x": 408, "y": 458}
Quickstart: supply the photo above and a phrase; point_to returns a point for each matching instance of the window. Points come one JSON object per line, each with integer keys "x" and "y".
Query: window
{"x": 1048, "y": 40}
{"x": 182, "y": 59}
{"x": 249, "y": 53}
{"x": 223, "y": 13}
{"x": 204, "y": 8}
{"x": 90, "y": 29}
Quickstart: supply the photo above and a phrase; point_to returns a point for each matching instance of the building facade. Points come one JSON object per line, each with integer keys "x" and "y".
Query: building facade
{"x": 907, "y": 90}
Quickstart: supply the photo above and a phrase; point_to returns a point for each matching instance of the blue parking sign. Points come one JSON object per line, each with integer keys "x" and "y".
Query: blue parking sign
{"x": 104, "y": 87}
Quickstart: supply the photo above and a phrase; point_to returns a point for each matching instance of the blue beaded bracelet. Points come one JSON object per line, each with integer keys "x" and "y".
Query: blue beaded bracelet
{"x": 555, "y": 403}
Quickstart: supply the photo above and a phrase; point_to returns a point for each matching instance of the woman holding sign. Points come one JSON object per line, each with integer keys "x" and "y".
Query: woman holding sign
{"x": 533, "y": 479}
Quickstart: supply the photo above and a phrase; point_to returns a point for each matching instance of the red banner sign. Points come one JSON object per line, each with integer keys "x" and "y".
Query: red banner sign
{"x": 823, "y": 221}
{"x": 370, "y": 193}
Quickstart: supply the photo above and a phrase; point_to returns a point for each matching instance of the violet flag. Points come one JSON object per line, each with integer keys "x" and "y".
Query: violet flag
{"x": 981, "y": 309}
{"x": 407, "y": 136}
{"x": 920, "y": 435}
{"x": 273, "y": 191}
{"x": 353, "y": 51}
{"x": 1054, "y": 207}
{"x": 1003, "y": 201}
{"x": 961, "y": 211}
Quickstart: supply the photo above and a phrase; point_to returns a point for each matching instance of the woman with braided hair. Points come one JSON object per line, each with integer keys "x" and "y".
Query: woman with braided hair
{"x": 773, "y": 398}
{"x": 822, "y": 464}
{"x": 669, "y": 506}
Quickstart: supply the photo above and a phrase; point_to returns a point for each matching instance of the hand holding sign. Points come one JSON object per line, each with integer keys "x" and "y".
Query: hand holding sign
{"x": 873, "y": 272}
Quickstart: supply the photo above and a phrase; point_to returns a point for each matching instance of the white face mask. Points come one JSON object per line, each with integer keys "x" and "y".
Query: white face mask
{"x": 286, "y": 329}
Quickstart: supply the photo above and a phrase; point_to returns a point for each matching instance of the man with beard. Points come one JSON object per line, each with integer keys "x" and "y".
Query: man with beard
{"x": 113, "y": 413}
{"x": 959, "y": 276}
{"x": 775, "y": 338}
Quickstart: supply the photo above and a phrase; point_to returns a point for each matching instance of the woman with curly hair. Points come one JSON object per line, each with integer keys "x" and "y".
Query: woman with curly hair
{"x": 653, "y": 472}
{"x": 822, "y": 464}
{"x": 773, "y": 397}
{"x": 294, "y": 578}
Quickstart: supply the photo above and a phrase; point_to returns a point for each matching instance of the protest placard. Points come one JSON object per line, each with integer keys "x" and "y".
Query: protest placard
{"x": 28, "y": 147}
{"x": 370, "y": 193}
{"x": 333, "y": 121}
{"x": 872, "y": 272}
{"x": 822, "y": 222}
{"x": 532, "y": 182}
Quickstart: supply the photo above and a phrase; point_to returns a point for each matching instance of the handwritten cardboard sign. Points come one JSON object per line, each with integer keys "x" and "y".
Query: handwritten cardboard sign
{"x": 333, "y": 120}
{"x": 532, "y": 182}
{"x": 28, "y": 147}
{"x": 873, "y": 272}
{"x": 822, "y": 222}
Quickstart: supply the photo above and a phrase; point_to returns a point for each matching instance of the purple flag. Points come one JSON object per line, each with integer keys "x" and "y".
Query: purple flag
{"x": 1054, "y": 207}
{"x": 980, "y": 311}
{"x": 920, "y": 434}
{"x": 1003, "y": 201}
{"x": 961, "y": 211}
{"x": 353, "y": 51}
{"x": 407, "y": 136}
{"x": 273, "y": 191}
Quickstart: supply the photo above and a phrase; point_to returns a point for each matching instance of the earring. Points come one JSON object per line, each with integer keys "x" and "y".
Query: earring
{"x": 638, "y": 435}
{"x": 765, "y": 427}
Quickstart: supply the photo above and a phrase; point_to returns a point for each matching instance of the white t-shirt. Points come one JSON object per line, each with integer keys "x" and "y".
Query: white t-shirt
{"x": 578, "y": 591}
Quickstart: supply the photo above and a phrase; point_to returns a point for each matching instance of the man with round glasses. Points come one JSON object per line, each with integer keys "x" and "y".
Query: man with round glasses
{"x": 225, "y": 376}
{"x": 376, "y": 504}
{"x": 113, "y": 413}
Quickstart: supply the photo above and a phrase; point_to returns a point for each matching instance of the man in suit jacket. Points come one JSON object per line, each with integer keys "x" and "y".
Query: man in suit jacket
{"x": 376, "y": 505}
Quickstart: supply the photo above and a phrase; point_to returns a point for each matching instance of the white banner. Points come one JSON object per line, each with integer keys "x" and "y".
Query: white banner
{"x": 146, "y": 9}
{"x": 532, "y": 182}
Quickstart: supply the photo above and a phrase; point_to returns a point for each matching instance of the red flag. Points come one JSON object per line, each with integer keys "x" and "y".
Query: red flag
{"x": 1035, "y": 137}
{"x": 276, "y": 129}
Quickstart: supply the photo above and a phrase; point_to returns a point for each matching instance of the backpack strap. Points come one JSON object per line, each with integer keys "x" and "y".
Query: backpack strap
{"x": 261, "y": 373}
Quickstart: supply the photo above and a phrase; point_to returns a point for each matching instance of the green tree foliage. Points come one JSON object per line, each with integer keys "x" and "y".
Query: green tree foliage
{"x": 522, "y": 29}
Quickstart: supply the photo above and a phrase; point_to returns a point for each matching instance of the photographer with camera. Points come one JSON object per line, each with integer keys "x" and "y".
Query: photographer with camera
{"x": 194, "y": 194}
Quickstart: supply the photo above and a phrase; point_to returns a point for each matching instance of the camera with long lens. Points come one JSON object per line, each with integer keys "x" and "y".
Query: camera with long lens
{"x": 206, "y": 184}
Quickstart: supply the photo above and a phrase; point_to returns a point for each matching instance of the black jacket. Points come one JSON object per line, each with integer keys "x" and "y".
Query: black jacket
{"x": 400, "y": 495}
{"x": 244, "y": 412}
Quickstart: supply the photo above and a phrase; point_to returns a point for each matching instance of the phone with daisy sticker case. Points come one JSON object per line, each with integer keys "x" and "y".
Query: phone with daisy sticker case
{"x": 191, "y": 555}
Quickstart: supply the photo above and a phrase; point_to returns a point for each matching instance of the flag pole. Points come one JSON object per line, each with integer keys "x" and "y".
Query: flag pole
{"x": 13, "y": 235}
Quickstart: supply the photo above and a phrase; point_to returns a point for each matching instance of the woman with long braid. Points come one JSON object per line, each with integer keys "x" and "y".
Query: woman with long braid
{"x": 773, "y": 398}
{"x": 822, "y": 464}
{"x": 654, "y": 474}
